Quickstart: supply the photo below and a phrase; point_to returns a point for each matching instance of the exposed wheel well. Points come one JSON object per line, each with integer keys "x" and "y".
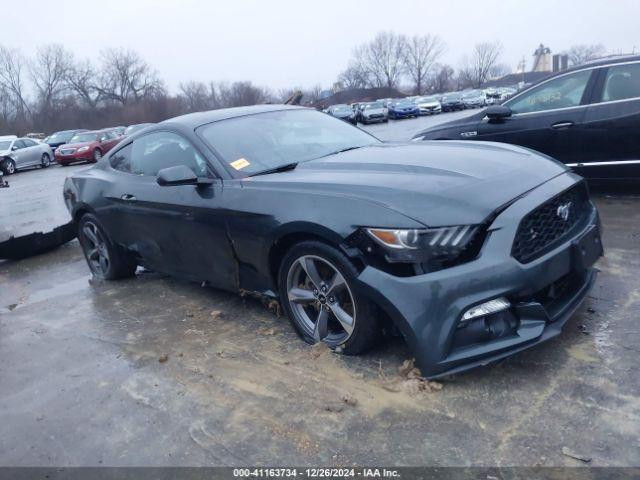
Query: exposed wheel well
{"x": 283, "y": 244}
{"x": 78, "y": 215}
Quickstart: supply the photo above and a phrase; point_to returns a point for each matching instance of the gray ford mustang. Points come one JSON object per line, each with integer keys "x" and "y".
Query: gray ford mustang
{"x": 473, "y": 250}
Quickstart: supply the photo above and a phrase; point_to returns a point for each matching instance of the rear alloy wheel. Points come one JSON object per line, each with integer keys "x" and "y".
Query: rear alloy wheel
{"x": 8, "y": 166}
{"x": 45, "y": 160}
{"x": 106, "y": 260}
{"x": 97, "y": 155}
{"x": 316, "y": 292}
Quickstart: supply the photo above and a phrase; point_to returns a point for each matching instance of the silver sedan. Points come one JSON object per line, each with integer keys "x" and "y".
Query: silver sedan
{"x": 18, "y": 153}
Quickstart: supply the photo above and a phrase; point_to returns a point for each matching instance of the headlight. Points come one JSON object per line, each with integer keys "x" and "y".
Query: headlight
{"x": 442, "y": 244}
{"x": 83, "y": 149}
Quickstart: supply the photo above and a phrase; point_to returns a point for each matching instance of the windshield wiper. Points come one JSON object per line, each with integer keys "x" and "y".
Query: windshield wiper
{"x": 281, "y": 168}
{"x": 341, "y": 151}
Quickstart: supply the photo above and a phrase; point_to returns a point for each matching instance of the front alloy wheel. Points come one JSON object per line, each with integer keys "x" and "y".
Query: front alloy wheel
{"x": 8, "y": 167}
{"x": 316, "y": 292}
{"x": 321, "y": 300}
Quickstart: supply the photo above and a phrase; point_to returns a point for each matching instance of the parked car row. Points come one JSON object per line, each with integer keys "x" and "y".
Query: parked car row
{"x": 64, "y": 147}
{"x": 410, "y": 107}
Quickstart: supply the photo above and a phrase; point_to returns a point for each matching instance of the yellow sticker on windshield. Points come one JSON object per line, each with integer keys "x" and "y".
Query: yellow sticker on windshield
{"x": 240, "y": 163}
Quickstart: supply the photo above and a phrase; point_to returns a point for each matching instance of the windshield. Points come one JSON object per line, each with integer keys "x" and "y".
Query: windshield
{"x": 471, "y": 94}
{"x": 426, "y": 100}
{"x": 255, "y": 143}
{"x": 59, "y": 137}
{"x": 84, "y": 137}
{"x": 374, "y": 105}
{"x": 5, "y": 145}
{"x": 342, "y": 108}
{"x": 404, "y": 103}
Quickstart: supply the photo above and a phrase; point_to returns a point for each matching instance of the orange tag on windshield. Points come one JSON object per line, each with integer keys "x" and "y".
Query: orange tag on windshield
{"x": 240, "y": 163}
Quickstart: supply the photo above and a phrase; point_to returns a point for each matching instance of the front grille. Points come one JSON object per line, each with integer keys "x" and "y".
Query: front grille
{"x": 551, "y": 223}
{"x": 67, "y": 151}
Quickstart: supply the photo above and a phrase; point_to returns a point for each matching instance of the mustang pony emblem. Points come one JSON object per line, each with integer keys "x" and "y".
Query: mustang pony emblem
{"x": 564, "y": 210}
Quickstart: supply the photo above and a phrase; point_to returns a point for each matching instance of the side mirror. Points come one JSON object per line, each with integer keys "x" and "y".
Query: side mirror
{"x": 180, "y": 175}
{"x": 497, "y": 113}
{"x": 14, "y": 148}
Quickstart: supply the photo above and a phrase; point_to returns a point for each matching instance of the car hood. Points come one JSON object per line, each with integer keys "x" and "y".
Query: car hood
{"x": 435, "y": 183}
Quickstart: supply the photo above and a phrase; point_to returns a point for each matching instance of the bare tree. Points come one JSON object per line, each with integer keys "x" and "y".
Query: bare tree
{"x": 475, "y": 69}
{"x": 420, "y": 55}
{"x": 579, "y": 54}
{"x": 354, "y": 77}
{"x": 381, "y": 61}
{"x": 240, "y": 94}
{"x": 499, "y": 70}
{"x": 195, "y": 96}
{"x": 12, "y": 68}
{"x": 81, "y": 79}
{"x": 49, "y": 73}
{"x": 125, "y": 76}
{"x": 441, "y": 79}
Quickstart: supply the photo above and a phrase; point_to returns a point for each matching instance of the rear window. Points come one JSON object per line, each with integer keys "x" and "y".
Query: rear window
{"x": 622, "y": 82}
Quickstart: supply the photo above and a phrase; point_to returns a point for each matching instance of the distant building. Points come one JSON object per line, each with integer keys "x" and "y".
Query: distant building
{"x": 542, "y": 59}
{"x": 560, "y": 62}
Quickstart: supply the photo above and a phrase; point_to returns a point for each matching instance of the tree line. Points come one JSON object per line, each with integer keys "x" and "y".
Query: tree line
{"x": 54, "y": 90}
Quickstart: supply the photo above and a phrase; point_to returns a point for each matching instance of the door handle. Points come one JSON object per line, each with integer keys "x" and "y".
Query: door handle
{"x": 562, "y": 125}
{"x": 128, "y": 198}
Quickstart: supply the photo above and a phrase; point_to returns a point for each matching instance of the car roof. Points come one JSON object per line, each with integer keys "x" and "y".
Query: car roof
{"x": 611, "y": 60}
{"x": 194, "y": 120}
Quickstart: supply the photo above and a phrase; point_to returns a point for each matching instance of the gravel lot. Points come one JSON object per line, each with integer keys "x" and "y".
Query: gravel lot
{"x": 157, "y": 371}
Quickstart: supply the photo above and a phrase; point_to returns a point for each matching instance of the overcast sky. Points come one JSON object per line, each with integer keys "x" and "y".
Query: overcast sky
{"x": 284, "y": 43}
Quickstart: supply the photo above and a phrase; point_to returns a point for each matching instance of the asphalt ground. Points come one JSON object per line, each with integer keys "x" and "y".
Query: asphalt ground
{"x": 158, "y": 371}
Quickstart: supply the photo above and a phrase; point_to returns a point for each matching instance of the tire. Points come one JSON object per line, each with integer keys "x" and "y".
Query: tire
{"x": 8, "y": 166}
{"x": 303, "y": 303}
{"x": 45, "y": 160}
{"x": 97, "y": 155}
{"x": 106, "y": 260}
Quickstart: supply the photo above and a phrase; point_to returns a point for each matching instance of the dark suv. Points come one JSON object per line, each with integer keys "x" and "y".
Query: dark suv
{"x": 587, "y": 117}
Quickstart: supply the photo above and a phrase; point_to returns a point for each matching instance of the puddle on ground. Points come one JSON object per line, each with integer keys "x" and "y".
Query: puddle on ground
{"x": 62, "y": 289}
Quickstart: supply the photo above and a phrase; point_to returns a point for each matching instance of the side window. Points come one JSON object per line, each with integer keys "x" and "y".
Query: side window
{"x": 29, "y": 143}
{"x": 18, "y": 144}
{"x": 562, "y": 92}
{"x": 159, "y": 150}
{"x": 121, "y": 160}
{"x": 622, "y": 82}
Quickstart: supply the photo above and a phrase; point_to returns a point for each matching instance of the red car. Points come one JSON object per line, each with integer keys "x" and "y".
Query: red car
{"x": 87, "y": 147}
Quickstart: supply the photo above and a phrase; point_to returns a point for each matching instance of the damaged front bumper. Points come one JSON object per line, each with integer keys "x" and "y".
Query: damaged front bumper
{"x": 16, "y": 248}
{"x": 543, "y": 294}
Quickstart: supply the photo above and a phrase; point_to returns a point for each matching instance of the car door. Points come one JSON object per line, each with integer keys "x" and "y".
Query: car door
{"x": 20, "y": 154}
{"x": 548, "y": 118}
{"x": 612, "y": 124}
{"x": 32, "y": 152}
{"x": 175, "y": 229}
{"x": 106, "y": 141}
